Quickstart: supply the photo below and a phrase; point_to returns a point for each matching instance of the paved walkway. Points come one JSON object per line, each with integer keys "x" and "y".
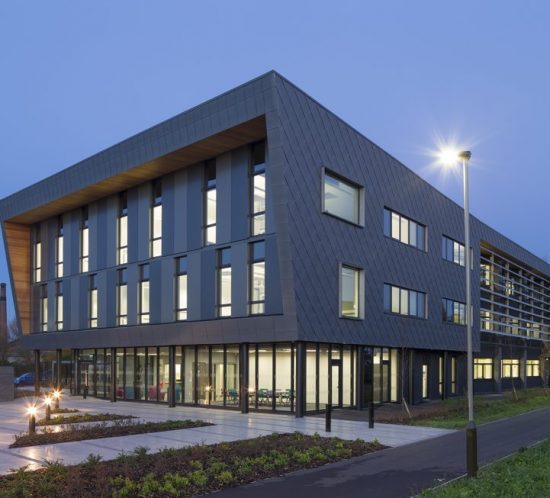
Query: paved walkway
{"x": 229, "y": 426}
{"x": 404, "y": 471}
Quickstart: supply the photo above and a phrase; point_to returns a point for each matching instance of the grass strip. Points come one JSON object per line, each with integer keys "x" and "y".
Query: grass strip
{"x": 120, "y": 428}
{"x": 183, "y": 472}
{"x": 522, "y": 475}
{"x": 453, "y": 413}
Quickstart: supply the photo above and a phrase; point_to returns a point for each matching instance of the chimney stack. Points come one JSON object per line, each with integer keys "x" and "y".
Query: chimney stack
{"x": 3, "y": 314}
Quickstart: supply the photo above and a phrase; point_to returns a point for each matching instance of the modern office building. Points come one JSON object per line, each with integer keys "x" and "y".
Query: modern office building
{"x": 258, "y": 253}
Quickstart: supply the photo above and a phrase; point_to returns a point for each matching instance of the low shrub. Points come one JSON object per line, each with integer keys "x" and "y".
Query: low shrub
{"x": 121, "y": 427}
{"x": 182, "y": 472}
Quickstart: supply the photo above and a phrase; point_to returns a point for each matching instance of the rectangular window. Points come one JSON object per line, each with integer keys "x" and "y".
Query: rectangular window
{"x": 532, "y": 368}
{"x": 59, "y": 305}
{"x": 181, "y": 288}
{"x": 210, "y": 202}
{"x": 258, "y": 192}
{"x": 453, "y": 251}
{"x": 37, "y": 260}
{"x": 454, "y": 375}
{"x": 510, "y": 368}
{"x": 92, "y": 307}
{"x": 257, "y": 278}
{"x": 59, "y": 248}
{"x": 454, "y": 311}
{"x": 483, "y": 368}
{"x": 143, "y": 293}
{"x": 84, "y": 241}
{"x": 341, "y": 198}
{"x": 122, "y": 297}
{"x": 122, "y": 229}
{"x": 156, "y": 219}
{"x": 44, "y": 308}
{"x": 350, "y": 292}
{"x": 404, "y": 229}
{"x": 405, "y": 302}
{"x": 224, "y": 282}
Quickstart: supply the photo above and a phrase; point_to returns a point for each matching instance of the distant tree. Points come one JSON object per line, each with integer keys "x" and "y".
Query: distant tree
{"x": 13, "y": 330}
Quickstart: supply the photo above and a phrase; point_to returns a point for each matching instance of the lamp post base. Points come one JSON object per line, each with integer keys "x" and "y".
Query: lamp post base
{"x": 471, "y": 449}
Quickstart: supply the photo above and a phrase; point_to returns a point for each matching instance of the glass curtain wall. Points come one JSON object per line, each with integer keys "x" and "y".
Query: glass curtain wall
{"x": 271, "y": 377}
{"x": 330, "y": 376}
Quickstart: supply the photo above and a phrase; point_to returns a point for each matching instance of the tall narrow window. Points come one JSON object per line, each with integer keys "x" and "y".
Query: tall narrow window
{"x": 84, "y": 241}
{"x": 258, "y": 191}
{"x": 144, "y": 290}
{"x": 59, "y": 248}
{"x": 44, "y": 308}
{"x": 181, "y": 288}
{"x": 92, "y": 306}
{"x": 59, "y": 305}
{"x": 122, "y": 297}
{"x": 224, "y": 282}
{"x": 156, "y": 220}
{"x": 453, "y": 374}
{"x": 350, "y": 300}
{"x": 37, "y": 257}
{"x": 257, "y": 278}
{"x": 210, "y": 202}
{"x": 122, "y": 229}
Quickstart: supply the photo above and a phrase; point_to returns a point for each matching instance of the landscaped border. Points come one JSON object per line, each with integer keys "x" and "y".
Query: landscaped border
{"x": 120, "y": 428}
{"x": 184, "y": 472}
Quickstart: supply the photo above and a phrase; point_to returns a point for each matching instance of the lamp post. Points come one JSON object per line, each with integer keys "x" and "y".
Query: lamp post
{"x": 450, "y": 157}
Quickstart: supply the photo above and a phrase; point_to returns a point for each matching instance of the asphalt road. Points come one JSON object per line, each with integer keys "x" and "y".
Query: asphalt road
{"x": 404, "y": 471}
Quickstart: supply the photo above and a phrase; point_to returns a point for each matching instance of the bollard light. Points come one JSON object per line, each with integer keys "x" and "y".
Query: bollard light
{"x": 48, "y": 403}
{"x": 31, "y": 412}
{"x": 57, "y": 397}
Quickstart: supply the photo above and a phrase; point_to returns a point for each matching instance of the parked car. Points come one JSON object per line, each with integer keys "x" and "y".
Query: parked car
{"x": 27, "y": 379}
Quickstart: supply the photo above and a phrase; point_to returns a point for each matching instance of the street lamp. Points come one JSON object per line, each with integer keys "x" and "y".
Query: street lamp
{"x": 449, "y": 157}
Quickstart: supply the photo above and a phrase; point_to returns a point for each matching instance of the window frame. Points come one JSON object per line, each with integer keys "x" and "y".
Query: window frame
{"x": 122, "y": 250}
{"x": 388, "y": 229}
{"x": 156, "y": 206}
{"x": 388, "y": 291}
{"x": 511, "y": 364}
{"x": 84, "y": 263}
{"x": 480, "y": 368}
{"x": 257, "y": 169}
{"x": 93, "y": 295}
{"x": 360, "y": 291}
{"x": 210, "y": 185}
{"x": 122, "y": 283}
{"x": 360, "y": 197}
{"x": 258, "y": 304}
{"x": 59, "y": 302}
{"x": 451, "y": 319}
{"x": 59, "y": 249}
{"x": 223, "y": 308}
{"x": 179, "y": 272}
{"x": 144, "y": 317}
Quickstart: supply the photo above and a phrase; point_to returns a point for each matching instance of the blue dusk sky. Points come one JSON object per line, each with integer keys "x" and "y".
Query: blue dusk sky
{"x": 77, "y": 77}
